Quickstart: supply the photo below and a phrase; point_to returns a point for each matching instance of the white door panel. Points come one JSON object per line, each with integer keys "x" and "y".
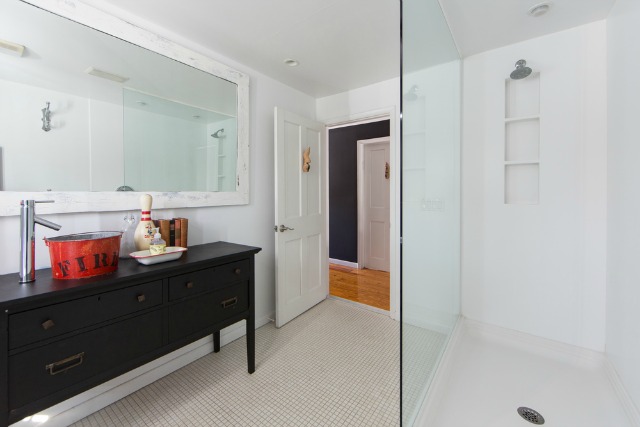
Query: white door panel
{"x": 375, "y": 203}
{"x": 301, "y": 250}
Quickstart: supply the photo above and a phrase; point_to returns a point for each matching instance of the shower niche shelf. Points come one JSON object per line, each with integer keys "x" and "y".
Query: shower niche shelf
{"x": 522, "y": 141}
{"x": 522, "y": 97}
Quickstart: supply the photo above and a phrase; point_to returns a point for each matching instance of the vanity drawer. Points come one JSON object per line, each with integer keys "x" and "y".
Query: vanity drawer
{"x": 191, "y": 283}
{"x": 234, "y": 271}
{"x": 47, "y": 322}
{"x": 208, "y": 279}
{"x": 37, "y": 373}
{"x": 195, "y": 314}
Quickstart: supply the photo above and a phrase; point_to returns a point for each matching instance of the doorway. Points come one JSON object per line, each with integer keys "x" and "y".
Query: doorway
{"x": 352, "y": 276}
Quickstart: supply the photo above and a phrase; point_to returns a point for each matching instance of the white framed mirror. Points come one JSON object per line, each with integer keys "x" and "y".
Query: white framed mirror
{"x": 92, "y": 104}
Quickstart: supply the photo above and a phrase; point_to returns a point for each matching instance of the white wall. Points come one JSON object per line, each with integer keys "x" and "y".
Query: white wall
{"x": 359, "y": 104}
{"x": 540, "y": 268}
{"x": 361, "y": 101}
{"x": 623, "y": 232}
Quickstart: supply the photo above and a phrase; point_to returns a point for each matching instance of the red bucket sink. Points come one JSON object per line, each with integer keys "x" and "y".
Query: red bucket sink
{"x": 81, "y": 255}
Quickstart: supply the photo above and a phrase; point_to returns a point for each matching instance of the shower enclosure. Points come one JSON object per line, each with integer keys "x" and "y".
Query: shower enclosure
{"x": 431, "y": 80}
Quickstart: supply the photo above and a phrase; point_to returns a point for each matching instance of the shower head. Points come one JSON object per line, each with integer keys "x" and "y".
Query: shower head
{"x": 412, "y": 94}
{"x": 218, "y": 134}
{"x": 521, "y": 70}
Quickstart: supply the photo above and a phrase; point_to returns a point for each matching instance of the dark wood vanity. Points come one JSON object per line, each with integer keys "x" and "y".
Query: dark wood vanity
{"x": 61, "y": 337}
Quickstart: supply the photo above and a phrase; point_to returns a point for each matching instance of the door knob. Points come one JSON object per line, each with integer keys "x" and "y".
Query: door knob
{"x": 283, "y": 228}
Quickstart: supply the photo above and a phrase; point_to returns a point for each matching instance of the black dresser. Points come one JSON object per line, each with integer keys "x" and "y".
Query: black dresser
{"x": 61, "y": 337}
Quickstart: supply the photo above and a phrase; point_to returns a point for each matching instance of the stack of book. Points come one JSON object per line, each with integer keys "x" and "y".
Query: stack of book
{"x": 174, "y": 231}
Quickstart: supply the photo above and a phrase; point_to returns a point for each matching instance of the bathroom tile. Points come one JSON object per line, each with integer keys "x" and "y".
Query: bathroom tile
{"x": 335, "y": 365}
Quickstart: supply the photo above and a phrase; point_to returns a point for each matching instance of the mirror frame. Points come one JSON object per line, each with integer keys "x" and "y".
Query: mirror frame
{"x": 99, "y": 201}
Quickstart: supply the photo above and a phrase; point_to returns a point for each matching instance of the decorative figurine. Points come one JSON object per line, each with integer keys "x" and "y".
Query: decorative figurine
{"x": 306, "y": 160}
{"x": 145, "y": 229}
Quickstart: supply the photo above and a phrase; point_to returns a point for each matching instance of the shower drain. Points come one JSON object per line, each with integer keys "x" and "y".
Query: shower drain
{"x": 530, "y": 415}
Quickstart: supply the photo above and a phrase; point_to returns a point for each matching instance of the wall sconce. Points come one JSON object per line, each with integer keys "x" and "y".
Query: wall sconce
{"x": 46, "y": 118}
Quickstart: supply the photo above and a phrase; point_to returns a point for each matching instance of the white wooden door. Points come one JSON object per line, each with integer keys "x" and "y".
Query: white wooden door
{"x": 375, "y": 203}
{"x": 302, "y": 269}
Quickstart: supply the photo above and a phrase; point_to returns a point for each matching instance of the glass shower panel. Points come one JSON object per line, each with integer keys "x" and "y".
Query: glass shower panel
{"x": 430, "y": 197}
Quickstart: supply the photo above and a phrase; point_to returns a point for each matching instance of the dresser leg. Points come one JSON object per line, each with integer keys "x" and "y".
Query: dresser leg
{"x": 216, "y": 341}
{"x": 251, "y": 345}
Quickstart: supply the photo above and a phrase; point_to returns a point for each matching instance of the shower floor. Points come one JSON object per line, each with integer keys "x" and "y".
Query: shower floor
{"x": 492, "y": 371}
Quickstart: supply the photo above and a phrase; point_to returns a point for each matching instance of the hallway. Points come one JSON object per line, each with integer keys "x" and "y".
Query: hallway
{"x": 365, "y": 286}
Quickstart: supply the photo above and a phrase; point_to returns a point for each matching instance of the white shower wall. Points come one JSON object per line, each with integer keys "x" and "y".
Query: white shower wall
{"x": 623, "y": 231}
{"x": 539, "y": 268}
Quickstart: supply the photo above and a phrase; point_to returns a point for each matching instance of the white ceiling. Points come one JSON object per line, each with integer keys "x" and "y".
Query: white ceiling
{"x": 341, "y": 44}
{"x": 481, "y": 25}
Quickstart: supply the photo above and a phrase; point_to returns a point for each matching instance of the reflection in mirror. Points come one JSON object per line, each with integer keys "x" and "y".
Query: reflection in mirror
{"x": 83, "y": 83}
{"x": 118, "y": 115}
{"x": 170, "y": 146}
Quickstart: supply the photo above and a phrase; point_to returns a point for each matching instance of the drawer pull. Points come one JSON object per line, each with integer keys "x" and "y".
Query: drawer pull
{"x": 189, "y": 285}
{"x": 141, "y": 298}
{"x": 48, "y": 325}
{"x": 229, "y": 302}
{"x": 237, "y": 271}
{"x": 65, "y": 364}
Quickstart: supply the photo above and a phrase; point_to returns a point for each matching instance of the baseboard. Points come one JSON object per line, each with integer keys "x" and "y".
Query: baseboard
{"x": 360, "y": 305}
{"x": 534, "y": 342}
{"x": 84, "y": 404}
{"x": 434, "y": 392}
{"x": 343, "y": 263}
{"x": 630, "y": 407}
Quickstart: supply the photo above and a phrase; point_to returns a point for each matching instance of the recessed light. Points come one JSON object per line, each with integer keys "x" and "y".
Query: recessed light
{"x": 291, "y": 62}
{"x": 539, "y": 9}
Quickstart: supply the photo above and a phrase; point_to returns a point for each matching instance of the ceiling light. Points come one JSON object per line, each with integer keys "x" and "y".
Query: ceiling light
{"x": 291, "y": 62}
{"x": 105, "y": 75}
{"x": 539, "y": 9}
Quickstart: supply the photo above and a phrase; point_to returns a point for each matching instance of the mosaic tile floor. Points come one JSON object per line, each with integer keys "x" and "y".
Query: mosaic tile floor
{"x": 421, "y": 352}
{"x": 335, "y": 365}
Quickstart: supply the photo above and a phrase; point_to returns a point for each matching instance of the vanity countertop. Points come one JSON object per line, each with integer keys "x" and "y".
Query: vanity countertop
{"x": 128, "y": 270}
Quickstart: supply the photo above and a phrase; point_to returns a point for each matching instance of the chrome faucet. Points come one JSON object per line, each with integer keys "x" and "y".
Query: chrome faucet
{"x": 28, "y": 220}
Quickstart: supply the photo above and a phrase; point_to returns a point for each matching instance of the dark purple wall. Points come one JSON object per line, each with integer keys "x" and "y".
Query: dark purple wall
{"x": 343, "y": 186}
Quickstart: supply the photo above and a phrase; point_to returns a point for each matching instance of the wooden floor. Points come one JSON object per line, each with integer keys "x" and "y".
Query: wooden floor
{"x": 370, "y": 287}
